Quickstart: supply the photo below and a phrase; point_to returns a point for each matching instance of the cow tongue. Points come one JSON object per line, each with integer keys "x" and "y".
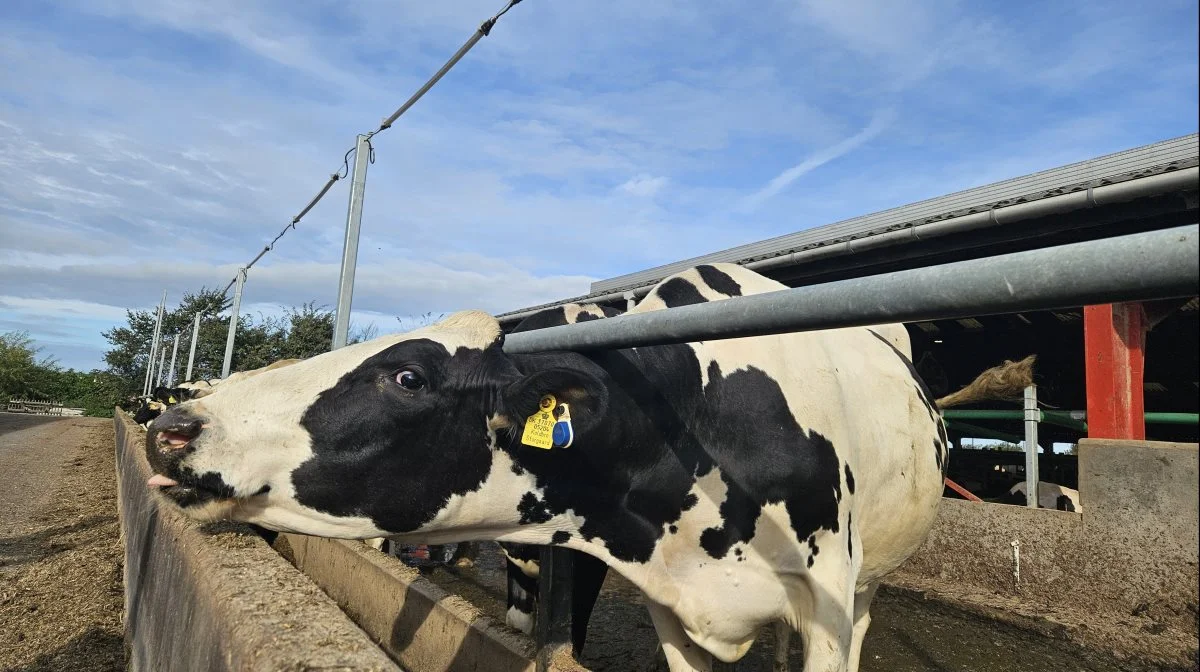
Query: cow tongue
{"x": 158, "y": 480}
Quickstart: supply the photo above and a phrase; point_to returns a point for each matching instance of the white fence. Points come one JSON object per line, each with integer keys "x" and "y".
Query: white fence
{"x": 33, "y": 407}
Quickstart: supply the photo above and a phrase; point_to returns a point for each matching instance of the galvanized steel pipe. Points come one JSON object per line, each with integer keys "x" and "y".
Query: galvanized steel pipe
{"x": 1153, "y": 265}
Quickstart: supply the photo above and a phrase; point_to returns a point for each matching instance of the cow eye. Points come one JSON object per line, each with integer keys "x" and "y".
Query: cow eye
{"x": 410, "y": 380}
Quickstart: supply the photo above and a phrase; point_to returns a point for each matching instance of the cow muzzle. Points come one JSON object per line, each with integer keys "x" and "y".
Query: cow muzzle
{"x": 169, "y": 440}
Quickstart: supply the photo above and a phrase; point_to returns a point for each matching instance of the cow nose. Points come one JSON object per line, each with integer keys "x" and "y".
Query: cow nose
{"x": 174, "y": 429}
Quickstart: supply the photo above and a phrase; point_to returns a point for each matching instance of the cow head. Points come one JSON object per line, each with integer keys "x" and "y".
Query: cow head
{"x": 377, "y": 438}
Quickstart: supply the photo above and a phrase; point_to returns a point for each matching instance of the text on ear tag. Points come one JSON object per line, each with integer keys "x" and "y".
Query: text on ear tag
{"x": 539, "y": 427}
{"x": 564, "y": 433}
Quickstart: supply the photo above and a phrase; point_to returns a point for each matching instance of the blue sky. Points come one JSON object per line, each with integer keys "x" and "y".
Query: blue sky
{"x": 158, "y": 144}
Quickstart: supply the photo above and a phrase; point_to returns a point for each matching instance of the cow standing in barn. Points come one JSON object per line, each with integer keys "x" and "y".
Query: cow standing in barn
{"x": 736, "y": 482}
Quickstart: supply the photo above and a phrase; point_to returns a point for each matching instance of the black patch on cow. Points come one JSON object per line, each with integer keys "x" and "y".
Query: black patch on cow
{"x": 673, "y": 529}
{"x": 633, "y": 477}
{"x": 551, "y": 317}
{"x": 516, "y": 469}
{"x": 532, "y": 509}
{"x": 849, "y": 534}
{"x": 811, "y": 560}
{"x": 849, "y": 479}
{"x": 557, "y": 317}
{"x": 679, "y": 292}
{"x": 737, "y": 552}
{"x": 394, "y": 455}
{"x": 719, "y": 280}
{"x": 560, "y": 537}
{"x": 811, "y": 487}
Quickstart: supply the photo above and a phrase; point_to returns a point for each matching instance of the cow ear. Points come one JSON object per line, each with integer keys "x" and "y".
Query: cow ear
{"x": 586, "y": 394}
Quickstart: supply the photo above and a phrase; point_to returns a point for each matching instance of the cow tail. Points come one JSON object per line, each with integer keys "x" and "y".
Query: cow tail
{"x": 1006, "y": 381}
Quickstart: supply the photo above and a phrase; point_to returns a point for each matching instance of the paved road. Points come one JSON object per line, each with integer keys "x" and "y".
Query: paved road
{"x": 32, "y": 450}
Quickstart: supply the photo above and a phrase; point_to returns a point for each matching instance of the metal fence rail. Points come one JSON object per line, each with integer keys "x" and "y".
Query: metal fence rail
{"x": 1143, "y": 266}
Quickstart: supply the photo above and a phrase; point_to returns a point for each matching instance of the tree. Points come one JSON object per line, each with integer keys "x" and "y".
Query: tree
{"x": 23, "y": 376}
{"x": 18, "y": 368}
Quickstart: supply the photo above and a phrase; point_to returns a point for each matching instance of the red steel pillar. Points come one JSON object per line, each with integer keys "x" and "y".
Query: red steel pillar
{"x": 1114, "y": 341}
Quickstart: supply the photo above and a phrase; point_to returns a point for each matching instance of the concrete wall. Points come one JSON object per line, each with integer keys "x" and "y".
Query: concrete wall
{"x": 419, "y": 623}
{"x": 1130, "y": 559}
{"x": 221, "y": 598}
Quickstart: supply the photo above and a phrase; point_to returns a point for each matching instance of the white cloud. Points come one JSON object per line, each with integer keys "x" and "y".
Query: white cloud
{"x": 878, "y": 124}
{"x": 643, "y": 186}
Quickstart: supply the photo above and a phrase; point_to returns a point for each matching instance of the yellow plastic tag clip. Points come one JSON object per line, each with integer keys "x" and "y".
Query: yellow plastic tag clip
{"x": 539, "y": 427}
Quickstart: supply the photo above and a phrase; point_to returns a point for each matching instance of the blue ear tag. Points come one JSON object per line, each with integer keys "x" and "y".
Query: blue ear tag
{"x": 563, "y": 434}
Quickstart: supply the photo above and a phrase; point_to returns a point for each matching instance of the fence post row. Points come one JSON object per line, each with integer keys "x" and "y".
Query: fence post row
{"x": 233, "y": 319}
{"x": 192, "y": 347}
{"x": 358, "y": 187}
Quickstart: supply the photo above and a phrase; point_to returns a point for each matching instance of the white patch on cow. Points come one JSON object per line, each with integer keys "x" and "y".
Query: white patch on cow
{"x": 530, "y": 568}
{"x": 520, "y": 620}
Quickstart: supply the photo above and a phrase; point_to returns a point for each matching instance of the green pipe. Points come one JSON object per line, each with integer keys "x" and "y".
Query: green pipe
{"x": 1173, "y": 418}
{"x": 977, "y": 432}
{"x": 1069, "y": 419}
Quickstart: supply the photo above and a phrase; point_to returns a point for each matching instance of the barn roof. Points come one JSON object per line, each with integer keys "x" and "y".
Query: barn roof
{"x": 1139, "y": 163}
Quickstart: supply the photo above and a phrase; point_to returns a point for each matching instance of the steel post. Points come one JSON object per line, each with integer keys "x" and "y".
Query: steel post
{"x": 1032, "y": 416}
{"x": 239, "y": 282}
{"x": 154, "y": 343}
{"x": 192, "y": 346}
{"x": 162, "y": 362}
{"x": 171, "y": 369}
{"x": 358, "y": 187}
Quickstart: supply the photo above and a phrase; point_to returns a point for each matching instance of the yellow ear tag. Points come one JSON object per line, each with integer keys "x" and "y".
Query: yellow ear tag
{"x": 539, "y": 427}
{"x": 171, "y": 400}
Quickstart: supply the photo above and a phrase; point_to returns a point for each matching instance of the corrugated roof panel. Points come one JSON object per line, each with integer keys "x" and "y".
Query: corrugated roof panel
{"x": 1030, "y": 186}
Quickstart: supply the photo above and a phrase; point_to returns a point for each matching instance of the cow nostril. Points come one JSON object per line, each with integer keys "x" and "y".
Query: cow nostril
{"x": 176, "y": 432}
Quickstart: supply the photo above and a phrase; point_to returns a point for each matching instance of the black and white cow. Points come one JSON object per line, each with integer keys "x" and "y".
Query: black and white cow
{"x": 163, "y": 397}
{"x": 736, "y": 482}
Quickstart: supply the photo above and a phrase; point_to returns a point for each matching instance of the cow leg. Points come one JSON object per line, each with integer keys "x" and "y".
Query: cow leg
{"x": 587, "y": 581}
{"x": 522, "y": 598}
{"x": 827, "y": 627}
{"x": 464, "y": 555}
{"x": 783, "y": 638}
{"x": 862, "y": 621}
{"x": 682, "y": 653}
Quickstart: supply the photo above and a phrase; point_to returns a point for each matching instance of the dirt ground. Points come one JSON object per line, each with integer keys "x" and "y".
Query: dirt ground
{"x": 60, "y": 547}
{"x": 908, "y": 634}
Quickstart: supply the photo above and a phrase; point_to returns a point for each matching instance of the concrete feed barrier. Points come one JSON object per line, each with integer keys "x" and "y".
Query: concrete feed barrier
{"x": 413, "y": 619}
{"x": 219, "y": 598}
